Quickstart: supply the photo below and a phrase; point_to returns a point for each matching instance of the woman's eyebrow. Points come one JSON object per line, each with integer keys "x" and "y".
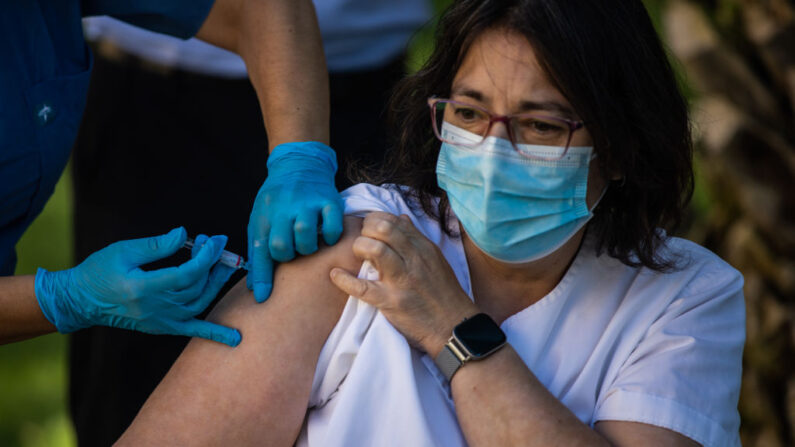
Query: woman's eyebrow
{"x": 551, "y": 106}
{"x": 468, "y": 92}
{"x": 524, "y": 105}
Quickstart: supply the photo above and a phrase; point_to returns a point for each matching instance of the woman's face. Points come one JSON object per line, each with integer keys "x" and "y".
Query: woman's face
{"x": 500, "y": 73}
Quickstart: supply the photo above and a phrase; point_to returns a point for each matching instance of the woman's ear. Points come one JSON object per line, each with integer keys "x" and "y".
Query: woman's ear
{"x": 614, "y": 173}
{"x": 617, "y": 178}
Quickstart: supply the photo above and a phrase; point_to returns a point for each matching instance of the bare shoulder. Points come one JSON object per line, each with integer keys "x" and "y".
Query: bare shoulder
{"x": 327, "y": 257}
{"x": 298, "y": 283}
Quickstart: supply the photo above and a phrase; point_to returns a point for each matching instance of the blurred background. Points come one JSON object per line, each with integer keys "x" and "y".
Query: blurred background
{"x": 736, "y": 59}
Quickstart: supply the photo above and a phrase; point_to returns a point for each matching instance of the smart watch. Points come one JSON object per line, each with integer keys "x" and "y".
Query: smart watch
{"x": 473, "y": 339}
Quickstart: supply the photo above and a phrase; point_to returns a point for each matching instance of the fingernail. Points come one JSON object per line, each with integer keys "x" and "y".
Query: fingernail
{"x": 261, "y": 291}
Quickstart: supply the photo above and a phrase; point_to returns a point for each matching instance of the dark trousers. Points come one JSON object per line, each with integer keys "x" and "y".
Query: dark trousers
{"x": 159, "y": 149}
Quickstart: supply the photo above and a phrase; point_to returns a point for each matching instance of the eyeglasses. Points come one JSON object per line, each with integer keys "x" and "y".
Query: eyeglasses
{"x": 523, "y": 128}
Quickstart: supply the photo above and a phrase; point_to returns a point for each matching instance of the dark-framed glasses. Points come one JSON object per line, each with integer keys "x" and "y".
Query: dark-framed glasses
{"x": 526, "y": 131}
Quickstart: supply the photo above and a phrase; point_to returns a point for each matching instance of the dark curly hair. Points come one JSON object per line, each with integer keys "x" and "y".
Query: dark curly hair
{"x": 607, "y": 60}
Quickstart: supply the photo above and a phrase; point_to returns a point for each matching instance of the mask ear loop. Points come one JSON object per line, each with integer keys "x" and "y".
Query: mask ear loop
{"x": 604, "y": 191}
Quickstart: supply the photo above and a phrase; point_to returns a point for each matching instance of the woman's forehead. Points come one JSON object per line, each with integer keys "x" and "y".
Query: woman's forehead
{"x": 502, "y": 66}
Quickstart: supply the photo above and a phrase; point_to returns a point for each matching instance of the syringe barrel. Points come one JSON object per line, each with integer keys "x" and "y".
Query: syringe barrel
{"x": 232, "y": 260}
{"x": 227, "y": 258}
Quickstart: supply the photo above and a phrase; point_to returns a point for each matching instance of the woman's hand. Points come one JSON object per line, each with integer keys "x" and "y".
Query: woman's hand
{"x": 417, "y": 290}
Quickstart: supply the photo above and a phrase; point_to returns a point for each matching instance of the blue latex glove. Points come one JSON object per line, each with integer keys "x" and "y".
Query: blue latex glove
{"x": 298, "y": 193}
{"x": 110, "y": 289}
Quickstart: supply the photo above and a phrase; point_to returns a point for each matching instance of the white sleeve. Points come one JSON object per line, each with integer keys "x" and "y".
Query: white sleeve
{"x": 685, "y": 372}
{"x": 342, "y": 345}
{"x": 363, "y": 198}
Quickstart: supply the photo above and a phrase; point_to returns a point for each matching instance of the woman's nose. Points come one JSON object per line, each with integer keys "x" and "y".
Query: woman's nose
{"x": 499, "y": 129}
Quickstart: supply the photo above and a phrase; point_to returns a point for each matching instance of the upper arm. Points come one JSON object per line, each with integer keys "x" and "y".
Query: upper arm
{"x": 256, "y": 393}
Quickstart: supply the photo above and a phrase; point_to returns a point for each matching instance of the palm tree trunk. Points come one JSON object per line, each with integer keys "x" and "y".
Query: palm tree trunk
{"x": 739, "y": 60}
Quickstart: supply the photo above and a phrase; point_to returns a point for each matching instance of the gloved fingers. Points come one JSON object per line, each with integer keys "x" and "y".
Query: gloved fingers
{"x": 180, "y": 298}
{"x": 189, "y": 273}
{"x": 332, "y": 222}
{"x": 250, "y": 253}
{"x": 280, "y": 241}
{"x": 149, "y": 249}
{"x": 261, "y": 271}
{"x": 257, "y": 232}
{"x": 198, "y": 267}
{"x": 305, "y": 228}
{"x": 207, "y": 330}
{"x": 219, "y": 275}
{"x": 198, "y": 243}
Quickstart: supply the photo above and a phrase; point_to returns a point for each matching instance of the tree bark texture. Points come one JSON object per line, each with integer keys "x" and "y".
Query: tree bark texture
{"x": 738, "y": 58}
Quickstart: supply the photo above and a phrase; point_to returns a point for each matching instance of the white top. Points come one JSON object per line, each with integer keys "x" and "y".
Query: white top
{"x": 357, "y": 35}
{"x": 611, "y": 342}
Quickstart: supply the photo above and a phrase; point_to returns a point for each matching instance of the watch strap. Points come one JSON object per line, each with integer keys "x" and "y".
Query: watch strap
{"x": 449, "y": 359}
{"x": 482, "y": 331}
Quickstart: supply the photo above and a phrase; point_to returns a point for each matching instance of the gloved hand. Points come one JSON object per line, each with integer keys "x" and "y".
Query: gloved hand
{"x": 110, "y": 289}
{"x": 298, "y": 192}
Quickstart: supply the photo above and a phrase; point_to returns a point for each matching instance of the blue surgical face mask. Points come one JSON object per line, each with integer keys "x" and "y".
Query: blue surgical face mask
{"x": 514, "y": 208}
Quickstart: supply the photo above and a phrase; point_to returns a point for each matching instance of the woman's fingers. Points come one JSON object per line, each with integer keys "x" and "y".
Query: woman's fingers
{"x": 397, "y": 232}
{"x": 388, "y": 263}
{"x": 364, "y": 289}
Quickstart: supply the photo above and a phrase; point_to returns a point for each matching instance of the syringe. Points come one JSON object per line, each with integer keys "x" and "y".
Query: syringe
{"x": 227, "y": 258}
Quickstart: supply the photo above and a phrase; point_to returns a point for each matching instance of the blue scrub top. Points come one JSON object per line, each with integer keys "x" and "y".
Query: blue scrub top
{"x": 44, "y": 72}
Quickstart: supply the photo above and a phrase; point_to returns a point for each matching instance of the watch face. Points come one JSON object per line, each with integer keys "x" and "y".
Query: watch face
{"x": 480, "y": 335}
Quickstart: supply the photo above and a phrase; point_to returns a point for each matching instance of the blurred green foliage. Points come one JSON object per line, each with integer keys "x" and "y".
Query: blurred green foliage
{"x": 421, "y": 44}
{"x": 33, "y": 373}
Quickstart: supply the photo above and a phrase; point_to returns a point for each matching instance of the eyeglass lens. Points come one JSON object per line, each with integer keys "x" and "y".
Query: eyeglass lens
{"x": 525, "y": 129}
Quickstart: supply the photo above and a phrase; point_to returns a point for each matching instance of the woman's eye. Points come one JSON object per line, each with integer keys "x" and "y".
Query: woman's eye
{"x": 540, "y": 126}
{"x": 540, "y": 131}
{"x": 466, "y": 113}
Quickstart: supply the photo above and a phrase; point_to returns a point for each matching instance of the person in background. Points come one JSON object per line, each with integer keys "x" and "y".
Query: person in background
{"x": 190, "y": 106}
{"x": 43, "y": 84}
